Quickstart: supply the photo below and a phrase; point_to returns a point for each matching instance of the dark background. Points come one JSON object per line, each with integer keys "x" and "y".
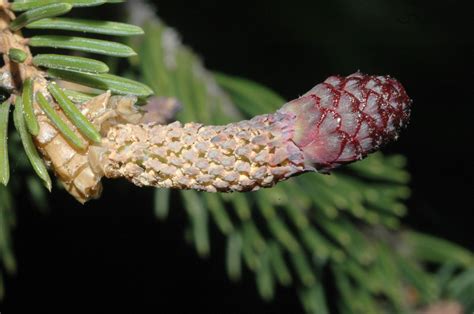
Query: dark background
{"x": 113, "y": 254}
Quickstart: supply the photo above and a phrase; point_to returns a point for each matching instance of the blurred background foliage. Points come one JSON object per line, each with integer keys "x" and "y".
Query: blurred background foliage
{"x": 337, "y": 243}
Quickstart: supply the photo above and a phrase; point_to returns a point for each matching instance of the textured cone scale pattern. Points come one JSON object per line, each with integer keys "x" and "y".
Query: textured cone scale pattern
{"x": 338, "y": 121}
{"x": 237, "y": 157}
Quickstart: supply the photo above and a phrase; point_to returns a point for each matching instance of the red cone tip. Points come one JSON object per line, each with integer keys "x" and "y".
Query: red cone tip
{"x": 345, "y": 118}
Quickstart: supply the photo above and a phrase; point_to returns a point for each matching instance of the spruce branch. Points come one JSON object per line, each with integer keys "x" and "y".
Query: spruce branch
{"x": 83, "y": 123}
{"x": 339, "y": 121}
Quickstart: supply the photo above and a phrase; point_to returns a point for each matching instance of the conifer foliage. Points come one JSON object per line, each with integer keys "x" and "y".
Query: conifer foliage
{"x": 344, "y": 228}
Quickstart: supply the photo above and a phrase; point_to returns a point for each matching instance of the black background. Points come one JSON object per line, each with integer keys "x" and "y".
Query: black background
{"x": 113, "y": 255}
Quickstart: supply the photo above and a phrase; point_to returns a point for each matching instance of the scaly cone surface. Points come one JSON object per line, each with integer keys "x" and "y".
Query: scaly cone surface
{"x": 344, "y": 119}
{"x": 339, "y": 121}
